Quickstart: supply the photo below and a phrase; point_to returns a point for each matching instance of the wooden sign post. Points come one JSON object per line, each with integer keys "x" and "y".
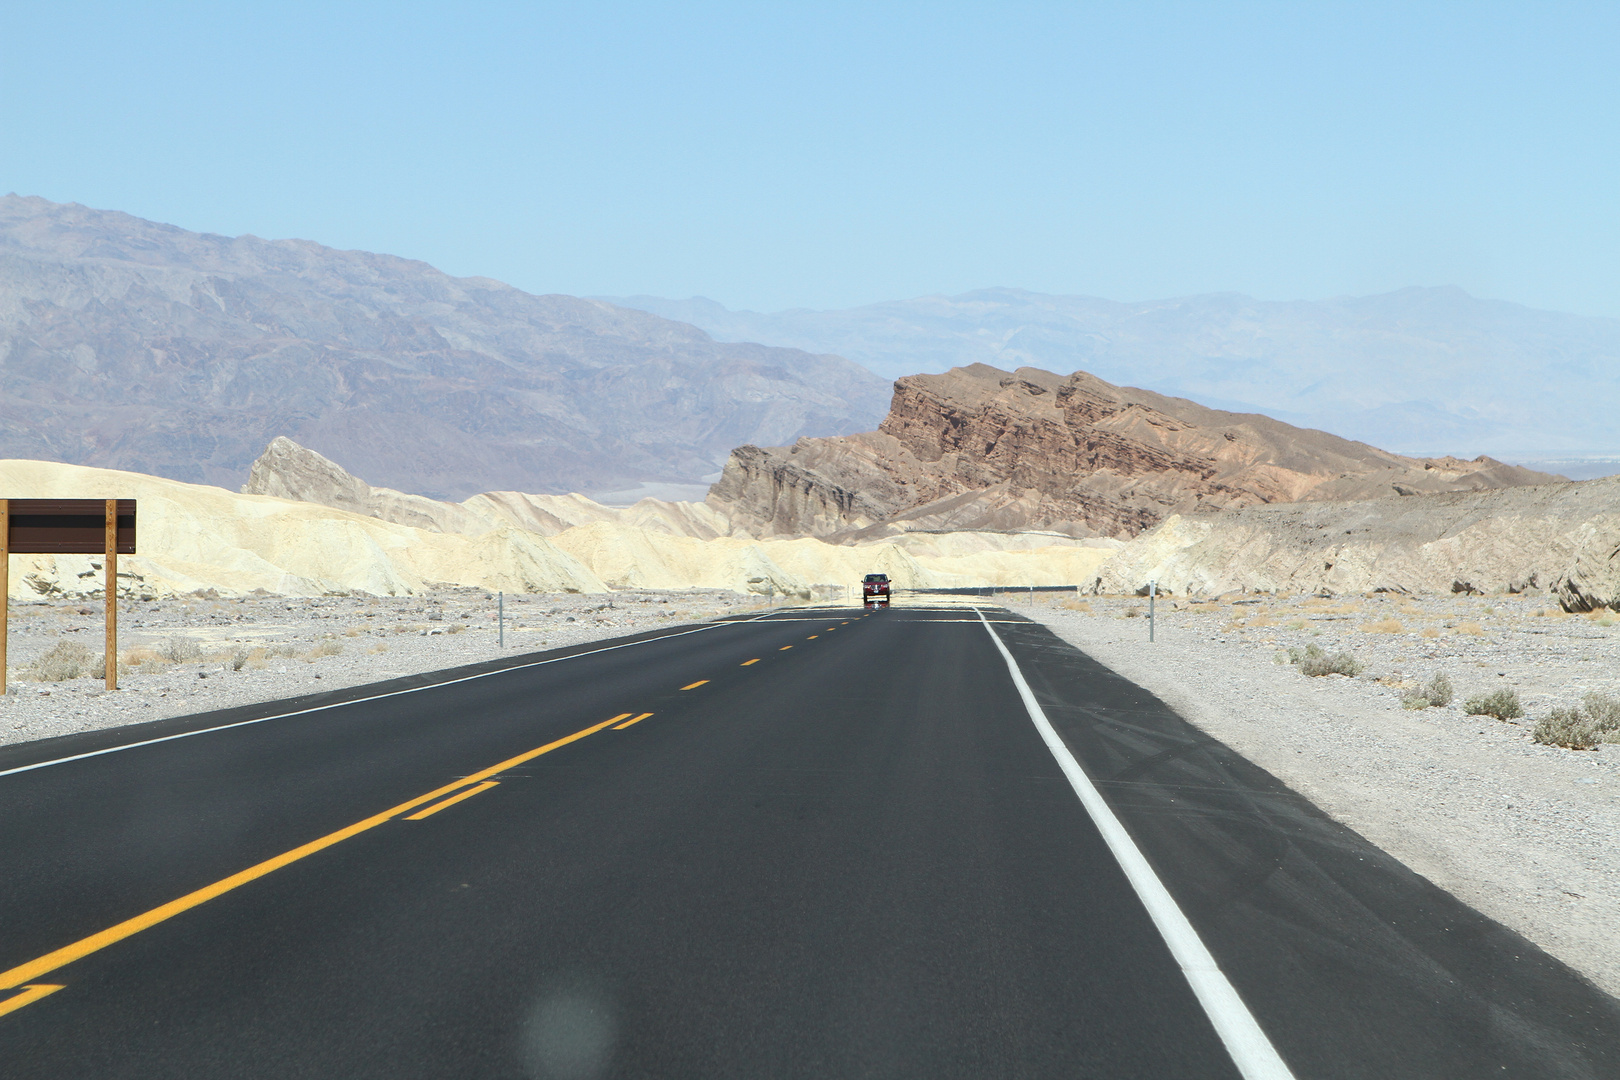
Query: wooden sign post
{"x": 67, "y": 527}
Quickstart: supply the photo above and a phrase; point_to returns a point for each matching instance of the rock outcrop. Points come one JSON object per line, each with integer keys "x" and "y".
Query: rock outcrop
{"x": 288, "y": 471}
{"x": 982, "y": 448}
{"x": 1563, "y": 539}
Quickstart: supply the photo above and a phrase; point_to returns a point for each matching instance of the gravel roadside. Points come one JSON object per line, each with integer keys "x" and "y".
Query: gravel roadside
{"x": 1523, "y": 832}
{"x": 198, "y": 654}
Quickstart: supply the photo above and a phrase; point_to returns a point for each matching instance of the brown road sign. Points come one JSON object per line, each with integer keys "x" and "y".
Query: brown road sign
{"x": 103, "y": 527}
{"x": 68, "y": 527}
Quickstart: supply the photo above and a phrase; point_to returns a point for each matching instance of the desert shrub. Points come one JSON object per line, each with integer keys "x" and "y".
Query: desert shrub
{"x": 1383, "y": 626}
{"x": 1436, "y": 692}
{"x": 239, "y": 658}
{"x": 180, "y": 650}
{"x": 1604, "y": 712}
{"x": 137, "y": 657}
{"x": 1502, "y": 704}
{"x": 1473, "y": 629}
{"x": 66, "y": 660}
{"x": 1077, "y": 605}
{"x": 1567, "y": 727}
{"x": 1311, "y": 660}
{"x": 325, "y": 648}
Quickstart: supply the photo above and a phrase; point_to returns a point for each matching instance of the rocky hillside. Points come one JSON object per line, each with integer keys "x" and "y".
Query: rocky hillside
{"x": 982, "y": 448}
{"x": 288, "y": 471}
{"x": 1558, "y": 538}
{"x": 133, "y": 345}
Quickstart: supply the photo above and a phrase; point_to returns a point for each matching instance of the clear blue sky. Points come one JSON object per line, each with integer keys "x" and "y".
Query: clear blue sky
{"x": 775, "y": 155}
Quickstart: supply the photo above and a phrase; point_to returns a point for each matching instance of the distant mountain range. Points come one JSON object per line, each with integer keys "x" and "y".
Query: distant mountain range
{"x": 1421, "y": 370}
{"x": 133, "y": 345}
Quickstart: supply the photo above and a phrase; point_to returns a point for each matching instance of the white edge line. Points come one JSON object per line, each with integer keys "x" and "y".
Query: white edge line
{"x": 362, "y": 700}
{"x": 1248, "y": 1045}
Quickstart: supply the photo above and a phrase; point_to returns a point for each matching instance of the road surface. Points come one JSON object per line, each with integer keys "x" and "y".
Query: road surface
{"x": 822, "y": 843}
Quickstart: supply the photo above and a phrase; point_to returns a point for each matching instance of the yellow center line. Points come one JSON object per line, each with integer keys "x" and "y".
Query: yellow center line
{"x": 29, "y": 995}
{"x": 33, "y": 969}
{"x": 452, "y": 800}
{"x": 812, "y": 637}
{"x": 695, "y": 685}
{"x": 627, "y": 723}
{"x": 745, "y": 663}
{"x": 784, "y": 648}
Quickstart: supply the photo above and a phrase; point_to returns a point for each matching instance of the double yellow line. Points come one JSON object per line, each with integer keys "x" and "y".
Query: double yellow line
{"x": 24, "y": 974}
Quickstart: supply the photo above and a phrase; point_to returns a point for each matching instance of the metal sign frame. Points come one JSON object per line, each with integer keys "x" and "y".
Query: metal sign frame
{"x": 103, "y": 527}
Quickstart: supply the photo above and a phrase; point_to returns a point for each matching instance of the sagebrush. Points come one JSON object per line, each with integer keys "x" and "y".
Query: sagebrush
{"x": 1311, "y": 660}
{"x": 1437, "y": 692}
{"x": 67, "y": 660}
{"x": 1581, "y": 727}
{"x": 1502, "y": 704}
{"x": 180, "y": 650}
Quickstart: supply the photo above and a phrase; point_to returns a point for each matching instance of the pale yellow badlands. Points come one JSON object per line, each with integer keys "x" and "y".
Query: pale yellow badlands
{"x": 194, "y": 537}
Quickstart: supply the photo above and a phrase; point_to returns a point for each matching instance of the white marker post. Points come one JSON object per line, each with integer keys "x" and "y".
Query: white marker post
{"x": 1153, "y": 592}
{"x": 500, "y": 617}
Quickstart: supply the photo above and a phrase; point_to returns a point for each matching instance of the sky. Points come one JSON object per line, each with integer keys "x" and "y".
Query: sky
{"x": 827, "y": 155}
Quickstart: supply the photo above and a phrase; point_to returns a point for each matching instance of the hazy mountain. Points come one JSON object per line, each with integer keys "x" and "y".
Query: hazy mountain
{"x": 133, "y": 345}
{"x": 1418, "y": 370}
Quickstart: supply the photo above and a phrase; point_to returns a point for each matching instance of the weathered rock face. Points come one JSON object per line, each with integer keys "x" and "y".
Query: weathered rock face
{"x": 983, "y": 448}
{"x": 1559, "y": 538}
{"x": 288, "y": 471}
{"x": 129, "y": 344}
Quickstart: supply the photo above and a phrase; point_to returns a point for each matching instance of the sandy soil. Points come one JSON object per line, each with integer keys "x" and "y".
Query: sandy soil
{"x": 1523, "y": 832}
{"x": 180, "y": 657}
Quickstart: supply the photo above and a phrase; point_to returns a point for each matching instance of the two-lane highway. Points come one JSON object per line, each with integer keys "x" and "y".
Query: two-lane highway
{"x": 824, "y": 843}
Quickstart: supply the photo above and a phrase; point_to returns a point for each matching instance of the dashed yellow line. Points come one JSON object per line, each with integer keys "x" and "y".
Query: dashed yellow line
{"x": 78, "y": 950}
{"x": 627, "y": 723}
{"x": 29, "y": 995}
{"x": 452, "y": 800}
{"x": 745, "y": 663}
{"x": 784, "y": 648}
{"x": 812, "y": 637}
{"x": 694, "y": 686}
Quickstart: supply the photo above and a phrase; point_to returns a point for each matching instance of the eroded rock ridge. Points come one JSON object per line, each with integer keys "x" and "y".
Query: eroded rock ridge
{"x": 982, "y": 448}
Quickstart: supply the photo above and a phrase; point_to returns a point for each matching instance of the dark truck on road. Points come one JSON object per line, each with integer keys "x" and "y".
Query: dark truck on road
{"x": 875, "y": 587}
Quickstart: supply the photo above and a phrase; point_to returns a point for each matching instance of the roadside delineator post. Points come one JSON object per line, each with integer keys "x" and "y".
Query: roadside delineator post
{"x": 500, "y": 617}
{"x": 1153, "y": 593}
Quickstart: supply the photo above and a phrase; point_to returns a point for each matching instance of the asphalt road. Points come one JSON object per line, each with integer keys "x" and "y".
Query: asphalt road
{"x": 821, "y": 844}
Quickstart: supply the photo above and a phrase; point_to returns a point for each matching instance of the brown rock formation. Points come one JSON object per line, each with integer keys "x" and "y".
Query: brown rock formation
{"x": 981, "y": 448}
